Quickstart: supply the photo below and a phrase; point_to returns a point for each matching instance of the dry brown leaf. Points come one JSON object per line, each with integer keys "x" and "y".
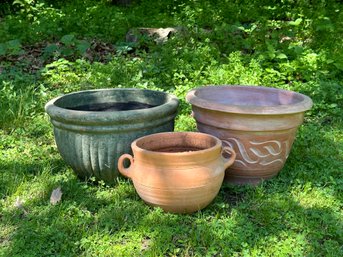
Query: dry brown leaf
{"x": 146, "y": 242}
{"x": 18, "y": 203}
{"x": 56, "y": 196}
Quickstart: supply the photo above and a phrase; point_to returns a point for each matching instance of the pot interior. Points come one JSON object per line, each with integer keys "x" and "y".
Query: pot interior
{"x": 249, "y": 96}
{"x": 112, "y": 100}
{"x": 112, "y": 106}
{"x": 177, "y": 142}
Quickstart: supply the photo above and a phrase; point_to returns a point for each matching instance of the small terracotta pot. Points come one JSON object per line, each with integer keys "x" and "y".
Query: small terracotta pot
{"x": 180, "y": 172}
{"x": 259, "y": 123}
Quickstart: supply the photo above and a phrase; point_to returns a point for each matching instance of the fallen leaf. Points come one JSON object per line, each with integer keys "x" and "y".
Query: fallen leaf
{"x": 56, "y": 196}
{"x": 146, "y": 242}
{"x": 18, "y": 203}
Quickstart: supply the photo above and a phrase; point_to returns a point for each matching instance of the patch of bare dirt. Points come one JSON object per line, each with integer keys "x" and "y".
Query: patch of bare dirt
{"x": 32, "y": 58}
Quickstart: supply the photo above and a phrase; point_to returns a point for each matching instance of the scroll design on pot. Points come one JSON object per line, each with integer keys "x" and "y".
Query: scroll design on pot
{"x": 259, "y": 152}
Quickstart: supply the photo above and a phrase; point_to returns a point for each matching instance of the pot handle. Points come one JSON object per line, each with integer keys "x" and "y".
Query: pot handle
{"x": 125, "y": 171}
{"x": 228, "y": 161}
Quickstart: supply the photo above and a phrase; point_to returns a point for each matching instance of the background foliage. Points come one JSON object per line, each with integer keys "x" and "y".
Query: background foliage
{"x": 48, "y": 48}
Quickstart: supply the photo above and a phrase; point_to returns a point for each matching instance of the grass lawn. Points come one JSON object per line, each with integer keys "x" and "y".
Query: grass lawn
{"x": 49, "y": 48}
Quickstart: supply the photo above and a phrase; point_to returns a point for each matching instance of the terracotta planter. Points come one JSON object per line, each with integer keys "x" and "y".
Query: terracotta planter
{"x": 93, "y": 128}
{"x": 180, "y": 172}
{"x": 259, "y": 123}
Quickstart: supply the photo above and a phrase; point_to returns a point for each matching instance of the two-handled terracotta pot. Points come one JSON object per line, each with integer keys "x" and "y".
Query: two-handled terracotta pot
{"x": 180, "y": 172}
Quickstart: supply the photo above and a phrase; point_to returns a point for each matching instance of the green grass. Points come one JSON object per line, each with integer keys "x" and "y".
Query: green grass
{"x": 55, "y": 47}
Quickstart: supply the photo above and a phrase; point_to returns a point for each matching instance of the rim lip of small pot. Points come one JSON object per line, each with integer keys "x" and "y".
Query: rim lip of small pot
{"x": 138, "y": 150}
{"x": 303, "y": 105}
{"x": 112, "y": 117}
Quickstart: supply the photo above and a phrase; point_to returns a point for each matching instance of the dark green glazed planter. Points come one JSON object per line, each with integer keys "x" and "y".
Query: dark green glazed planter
{"x": 91, "y": 140}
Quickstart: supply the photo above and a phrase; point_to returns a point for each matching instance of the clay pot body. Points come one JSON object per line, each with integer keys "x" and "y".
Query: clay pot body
{"x": 259, "y": 123}
{"x": 93, "y": 128}
{"x": 180, "y": 172}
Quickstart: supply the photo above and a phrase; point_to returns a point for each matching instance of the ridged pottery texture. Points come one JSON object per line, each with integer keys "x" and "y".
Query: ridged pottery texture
{"x": 259, "y": 123}
{"x": 180, "y": 172}
{"x": 91, "y": 135}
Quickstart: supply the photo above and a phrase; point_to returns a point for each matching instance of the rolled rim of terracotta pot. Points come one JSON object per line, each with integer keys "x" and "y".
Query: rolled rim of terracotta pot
{"x": 216, "y": 143}
{"x": 59, "y": 113}
{"x": 249, "y": 99}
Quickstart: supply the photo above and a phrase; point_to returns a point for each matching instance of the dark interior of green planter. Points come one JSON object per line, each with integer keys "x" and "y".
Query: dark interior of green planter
{"x": 112, "y": 100}
{"x": 111, "y": 106}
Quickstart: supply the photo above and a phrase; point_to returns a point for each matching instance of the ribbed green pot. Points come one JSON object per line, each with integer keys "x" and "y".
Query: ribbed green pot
{"x": 92, "y": 141}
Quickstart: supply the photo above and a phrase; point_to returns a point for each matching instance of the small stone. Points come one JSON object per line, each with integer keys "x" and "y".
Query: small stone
{"x": 159, "y": 35}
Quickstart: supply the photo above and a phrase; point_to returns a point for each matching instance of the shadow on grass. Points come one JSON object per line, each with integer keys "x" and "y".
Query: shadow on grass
{"x": 316, "y": 157}
{"x": 106, "y": 221}
{"x": 94, "y": 219}
{"x": 42, "y": 229}
{"x": 13, "y": 174}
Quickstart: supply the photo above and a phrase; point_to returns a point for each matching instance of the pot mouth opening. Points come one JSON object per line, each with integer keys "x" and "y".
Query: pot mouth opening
{"x": 177, "y": 149}
{"x": 111, "y": 106}
{"x": 111, "y": 100}
{"x": 251, "y": 99}
{"x": 177, "y": 143}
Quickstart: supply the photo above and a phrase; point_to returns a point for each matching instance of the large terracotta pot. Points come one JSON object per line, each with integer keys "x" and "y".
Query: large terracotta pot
{"x": 180, "y": 172}
{"x": 259, "y": 123}
{"x": 94, "y": 127}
